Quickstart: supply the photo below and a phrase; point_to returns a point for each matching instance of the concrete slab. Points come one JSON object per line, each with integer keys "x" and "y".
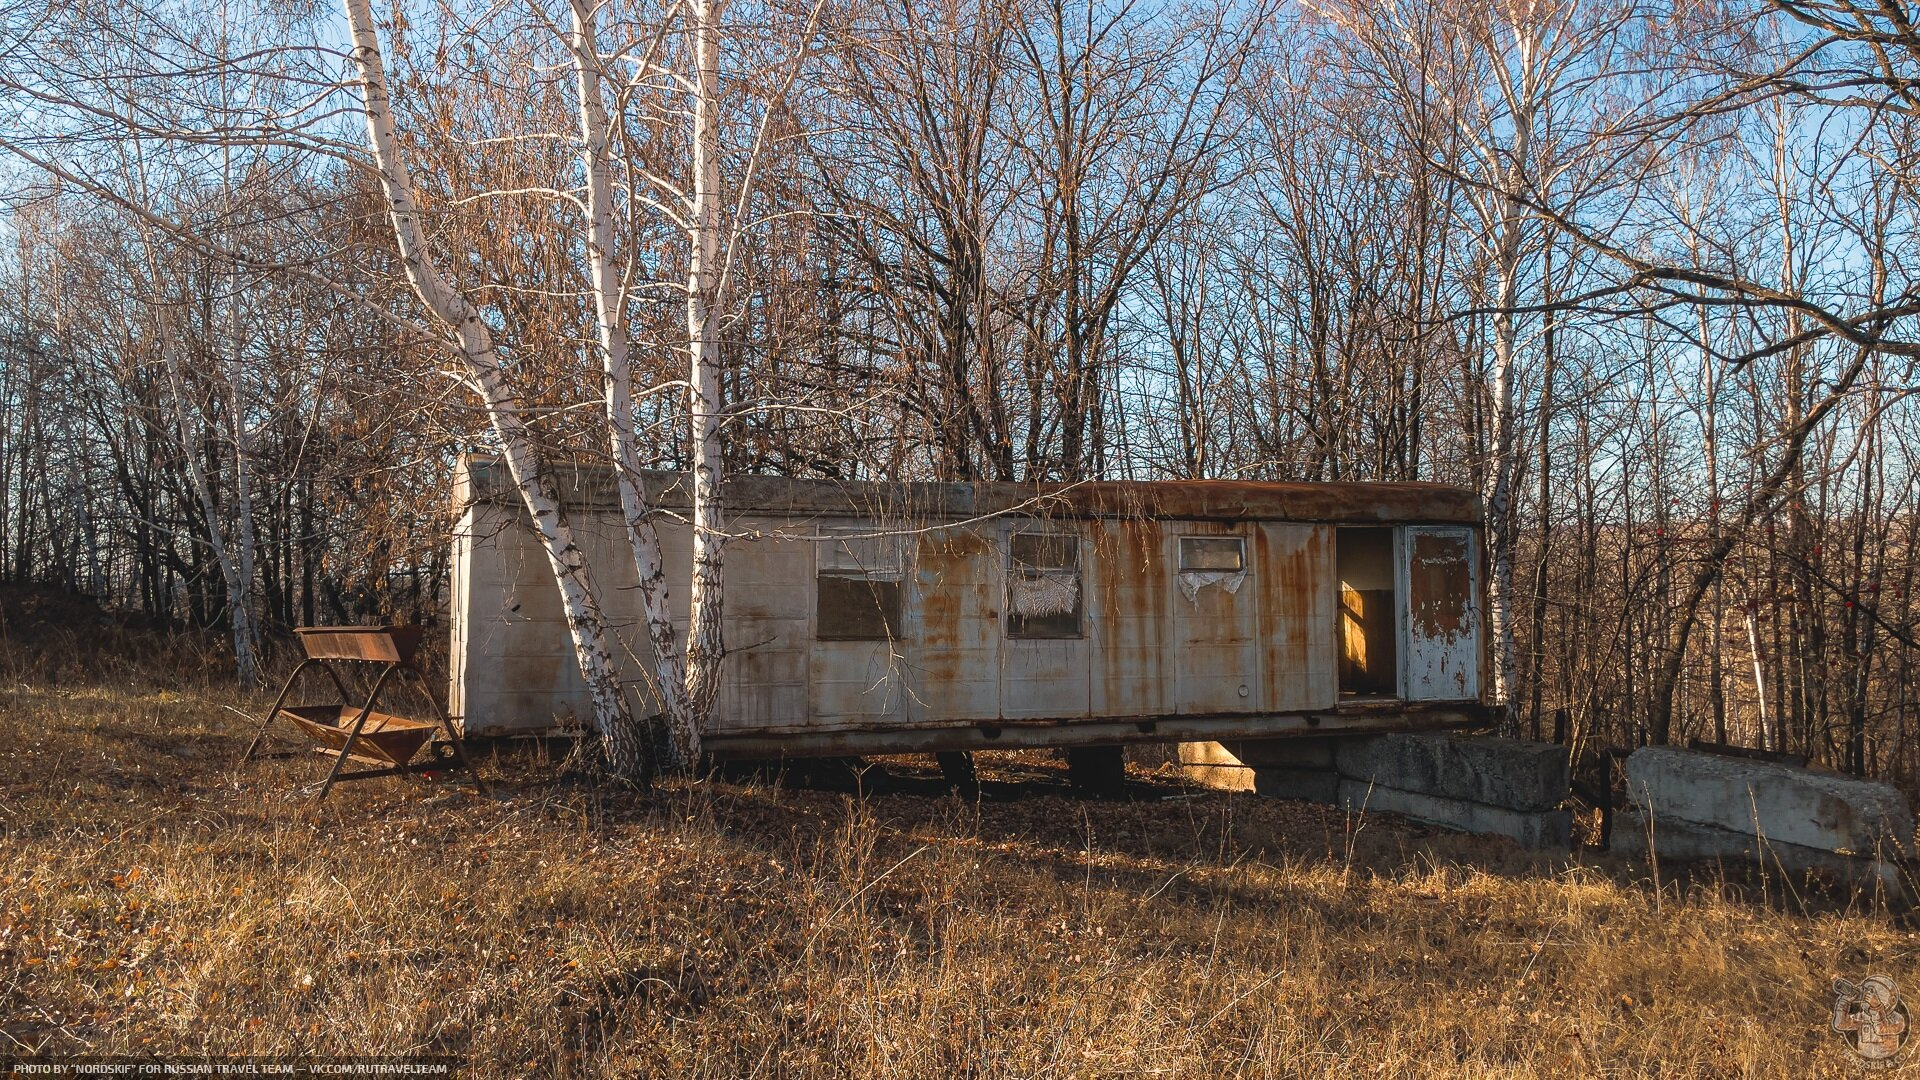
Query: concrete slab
{"x": 1508, "y": 773}
{"x": 1684, "y": 841}
{"x": 1781, "y": 803}
{"x": 1539, "y": 829}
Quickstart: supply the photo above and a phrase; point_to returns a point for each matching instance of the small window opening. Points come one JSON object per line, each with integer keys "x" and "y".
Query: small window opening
{"x": 1227, "y": 553}
{"x": 859, "y": 583}
{"x": 1369, "y": 635}
{"x": 1043, "y": 586}
{"x": 1211, "y": 562}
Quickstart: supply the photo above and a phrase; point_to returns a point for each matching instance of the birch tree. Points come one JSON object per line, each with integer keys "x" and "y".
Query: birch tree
{"x": 464, "y": 327}
{"x": 1507, "y": 76}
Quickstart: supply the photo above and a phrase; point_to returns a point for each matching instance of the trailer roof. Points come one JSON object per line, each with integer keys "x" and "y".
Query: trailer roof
{"x": 482, "y": 478}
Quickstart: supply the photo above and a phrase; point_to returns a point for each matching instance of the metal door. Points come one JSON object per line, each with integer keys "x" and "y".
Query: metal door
{"x": 1441, "y": 661}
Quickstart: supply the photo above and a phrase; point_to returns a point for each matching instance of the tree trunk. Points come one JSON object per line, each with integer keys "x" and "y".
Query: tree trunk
{"x": 705, "y": 645}
{"x": 625, "y": 745}
{"x": 669, "y": 672}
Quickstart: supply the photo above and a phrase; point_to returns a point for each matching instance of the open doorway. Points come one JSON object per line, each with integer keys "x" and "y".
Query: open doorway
{"x": 1368, "y": 613}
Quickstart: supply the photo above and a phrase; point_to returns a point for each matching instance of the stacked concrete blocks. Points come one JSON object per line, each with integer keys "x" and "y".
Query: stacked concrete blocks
{"x": 1476, "y": 784}
{"x": 1690, "y": 805}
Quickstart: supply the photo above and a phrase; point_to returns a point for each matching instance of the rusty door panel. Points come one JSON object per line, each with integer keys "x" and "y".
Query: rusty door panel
{"x": 1297, "y": 590}
{"x": 1215, "y": 634}
{"x": 1130, "y": 638}
{"x": 953, "y": 620}
{"x": 1443, "y": 661}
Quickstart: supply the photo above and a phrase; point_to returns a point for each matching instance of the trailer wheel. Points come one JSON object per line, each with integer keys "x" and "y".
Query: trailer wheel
{"x": 1097, "y": 770}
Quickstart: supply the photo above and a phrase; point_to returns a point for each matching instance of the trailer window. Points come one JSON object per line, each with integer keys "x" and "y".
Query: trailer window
{"x": 1043, "y": 585}
{"x": 1228, "y": 553}
{"x": 859, "y": 587}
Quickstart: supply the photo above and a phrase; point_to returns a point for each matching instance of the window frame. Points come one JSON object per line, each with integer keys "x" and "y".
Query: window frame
{"x": 1015, "y": 626}
{"x": 1180, "y": 554}
{"x": 884, "y": 576}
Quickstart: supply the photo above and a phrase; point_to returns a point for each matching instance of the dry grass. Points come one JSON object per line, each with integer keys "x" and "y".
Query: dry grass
{"x": 155, "y": 898}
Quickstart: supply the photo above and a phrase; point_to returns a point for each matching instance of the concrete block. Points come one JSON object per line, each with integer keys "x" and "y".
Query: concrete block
{"x": 1684, "y": 841}
{"x": 1507, "y": 773}
{"x": 1539, "y": 829}
{"x": 1781, "y": 803}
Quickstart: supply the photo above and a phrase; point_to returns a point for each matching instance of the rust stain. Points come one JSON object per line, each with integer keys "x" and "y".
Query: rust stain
{"x": 1272, "y": 587}
{"x": 945, "y": 569}
{"x": 957, "y": 629}
{"x": 1131, "y": 573}
{"x": 1292, "y": 620}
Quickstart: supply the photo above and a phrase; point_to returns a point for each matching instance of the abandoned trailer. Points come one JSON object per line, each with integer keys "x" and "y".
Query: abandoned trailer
{"x": 868, "y": 617}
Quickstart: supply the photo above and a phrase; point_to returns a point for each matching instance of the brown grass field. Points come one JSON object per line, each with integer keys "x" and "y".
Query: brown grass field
{"x": 155, "y": 898}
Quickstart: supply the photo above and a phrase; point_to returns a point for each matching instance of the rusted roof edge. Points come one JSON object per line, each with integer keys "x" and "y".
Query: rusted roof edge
{"x": 481, "y": 478}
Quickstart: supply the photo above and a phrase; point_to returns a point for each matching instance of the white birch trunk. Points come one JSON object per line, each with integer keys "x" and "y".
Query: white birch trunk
{"x": 236, "y": 569}
{"x": 240, "y": 586}
{"x": 705, "y": 647}
{"x": 610, "y": 310}
{"x": 1509, "y": 220}
{"x": 1500, "y": 480}
{"x": 624, "y": 743}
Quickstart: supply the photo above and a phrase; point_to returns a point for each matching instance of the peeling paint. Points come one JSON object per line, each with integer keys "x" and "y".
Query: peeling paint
{"x": 1158, "y": 643}
{"x": 1442, "y": 659}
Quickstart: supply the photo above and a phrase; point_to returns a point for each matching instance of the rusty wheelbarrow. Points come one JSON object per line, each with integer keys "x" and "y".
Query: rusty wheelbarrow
{"x": 346, "y": 731}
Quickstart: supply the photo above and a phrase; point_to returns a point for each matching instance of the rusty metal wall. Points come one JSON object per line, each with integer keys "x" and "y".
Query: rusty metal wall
{"x": 1154, "y": 645}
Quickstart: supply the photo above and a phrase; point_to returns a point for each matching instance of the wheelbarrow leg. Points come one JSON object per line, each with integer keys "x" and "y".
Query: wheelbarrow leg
{"x": 453, "y": 737}
{"x": 353, "y": 736}
{"x": 260, "y": 733}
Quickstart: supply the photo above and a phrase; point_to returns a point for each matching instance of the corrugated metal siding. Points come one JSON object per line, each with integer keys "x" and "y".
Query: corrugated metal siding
{"x": 1148, "y": 650}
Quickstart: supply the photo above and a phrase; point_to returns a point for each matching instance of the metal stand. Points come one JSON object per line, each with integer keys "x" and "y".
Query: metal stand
{"x": 344, "y": 730}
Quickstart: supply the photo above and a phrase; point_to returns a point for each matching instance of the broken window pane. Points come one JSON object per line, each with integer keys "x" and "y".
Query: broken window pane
{"x": 865, "y": 556}
{"x": 1213, "y": 553}
{"x": 854, "y": 608}
{"x": 1043, "y": 586}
